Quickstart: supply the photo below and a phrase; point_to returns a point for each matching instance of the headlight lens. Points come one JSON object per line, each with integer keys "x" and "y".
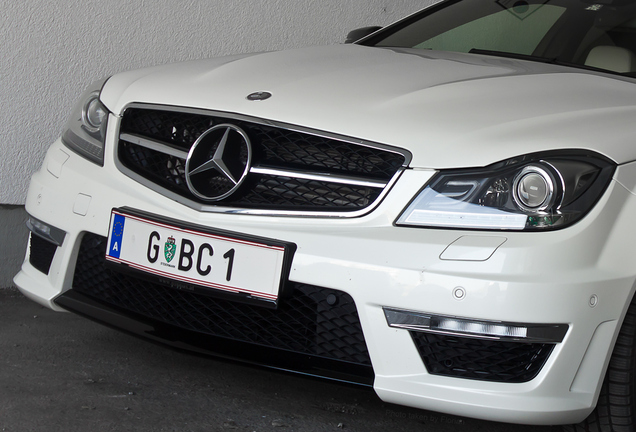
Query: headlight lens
{"x": 95, "y": 114}
{"x": 85, "y": 130}
{"x": 533, "y": 189}
{"x": 531, "y": 193}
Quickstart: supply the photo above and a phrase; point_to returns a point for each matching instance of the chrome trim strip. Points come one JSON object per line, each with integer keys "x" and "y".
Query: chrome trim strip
{"x": 319, "y": 177}
{"x": 482, "y": 329}
{"x": 154, "y": 145}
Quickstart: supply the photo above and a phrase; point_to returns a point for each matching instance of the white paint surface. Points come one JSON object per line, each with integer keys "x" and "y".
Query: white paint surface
{"x": 51, "y": 51}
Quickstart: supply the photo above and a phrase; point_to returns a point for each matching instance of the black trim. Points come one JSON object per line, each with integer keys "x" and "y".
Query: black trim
{"x": 481, "y": 360}
{"x": 41, "y": 253}
{"x": 188, "y": 340}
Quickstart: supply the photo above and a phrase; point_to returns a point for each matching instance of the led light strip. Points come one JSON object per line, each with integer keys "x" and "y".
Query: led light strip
{"x": 480, "y": 329}
{"x": 46, "y": 231}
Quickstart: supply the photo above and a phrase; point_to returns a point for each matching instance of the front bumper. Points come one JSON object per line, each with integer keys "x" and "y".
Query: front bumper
{"x": 580, "y": 277}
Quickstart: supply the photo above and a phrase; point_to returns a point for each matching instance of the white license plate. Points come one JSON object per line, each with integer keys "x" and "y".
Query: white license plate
{"x": 198, "y": 258}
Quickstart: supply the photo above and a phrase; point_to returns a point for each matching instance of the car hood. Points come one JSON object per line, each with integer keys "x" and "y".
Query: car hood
{"x": 447, "y": 109}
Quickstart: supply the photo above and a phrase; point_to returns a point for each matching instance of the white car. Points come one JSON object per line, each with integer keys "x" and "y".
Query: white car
{"x": 443, "y": 210}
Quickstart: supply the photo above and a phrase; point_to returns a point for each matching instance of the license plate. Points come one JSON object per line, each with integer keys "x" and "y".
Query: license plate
{"x": 195, "y": 257}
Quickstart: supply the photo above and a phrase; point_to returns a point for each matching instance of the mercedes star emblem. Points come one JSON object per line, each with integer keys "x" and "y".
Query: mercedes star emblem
{"x": 259, "y": 96}
{"x": 218, "y": 162}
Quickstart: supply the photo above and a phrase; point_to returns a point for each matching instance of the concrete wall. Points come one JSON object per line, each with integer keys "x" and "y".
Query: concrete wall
{"x": 51, "y": 50}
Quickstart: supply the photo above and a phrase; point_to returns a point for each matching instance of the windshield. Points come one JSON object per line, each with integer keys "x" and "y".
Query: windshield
{"x": 574, "y": 32}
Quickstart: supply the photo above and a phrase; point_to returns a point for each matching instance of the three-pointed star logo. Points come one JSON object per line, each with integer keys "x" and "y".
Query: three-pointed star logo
{"x": 217, "y": 163}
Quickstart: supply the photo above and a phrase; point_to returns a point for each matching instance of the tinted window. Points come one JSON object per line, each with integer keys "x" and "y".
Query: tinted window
{"x": 573, "y": 32}
{"x": 514, "y": 30}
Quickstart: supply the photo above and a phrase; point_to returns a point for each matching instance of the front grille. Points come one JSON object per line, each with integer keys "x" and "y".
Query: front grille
{"x": 486, "y": 360}
{"x": 41, "y": 253}
{"x": 305, "y": 172}
{"x": 314, "y": 321}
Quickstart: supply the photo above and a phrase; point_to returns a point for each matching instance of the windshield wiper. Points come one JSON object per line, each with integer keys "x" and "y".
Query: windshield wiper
{"x": 517, "y": 56}
{"x": 546, "y": 60}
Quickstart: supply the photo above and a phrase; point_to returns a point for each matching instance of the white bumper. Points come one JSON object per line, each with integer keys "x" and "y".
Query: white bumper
{"x": 531, "y": 278}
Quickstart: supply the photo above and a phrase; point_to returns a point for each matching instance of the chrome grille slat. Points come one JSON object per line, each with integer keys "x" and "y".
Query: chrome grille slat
{"x": 293, "y": 172}
{"x": 155, "y": 145}
{"x": 319, "y": 177}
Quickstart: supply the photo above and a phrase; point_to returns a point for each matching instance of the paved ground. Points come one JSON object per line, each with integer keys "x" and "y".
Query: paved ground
{"x": 59, "y": 372}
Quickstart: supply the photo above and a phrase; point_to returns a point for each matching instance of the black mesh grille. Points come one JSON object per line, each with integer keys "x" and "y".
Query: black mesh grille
{"x": 486, "y": 360}
{"x": 288, "y": 193}
{"x": 295, "y": 149}
{"x": 272, "y": 147}
{"x": 177, "y": 129}
{"x": 165, "y": 170}
{"x": 311, "y": 320}
{"x": 41, "y": 253}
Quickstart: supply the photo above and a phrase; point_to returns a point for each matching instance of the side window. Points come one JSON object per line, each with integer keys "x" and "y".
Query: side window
{"x": 516, "y": 30}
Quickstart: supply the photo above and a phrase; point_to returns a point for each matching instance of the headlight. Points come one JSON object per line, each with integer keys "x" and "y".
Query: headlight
{"x": 85, "y": 130}
{"x": 533, "y": 192}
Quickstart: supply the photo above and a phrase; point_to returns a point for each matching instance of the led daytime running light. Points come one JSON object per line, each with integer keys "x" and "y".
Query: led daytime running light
{"x": 480, "y": 329}
{"x": 47, "y": 232}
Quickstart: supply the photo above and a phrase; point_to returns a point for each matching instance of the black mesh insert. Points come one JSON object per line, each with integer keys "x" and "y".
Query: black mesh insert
{"x": 486, "y": 360}
{"x": 311, "y": 320}
{"x": 178, "y": 129}
{"x": 41, "y": 253}
{"x": 299, "y": 194}
{"x": 272, "y": 147}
